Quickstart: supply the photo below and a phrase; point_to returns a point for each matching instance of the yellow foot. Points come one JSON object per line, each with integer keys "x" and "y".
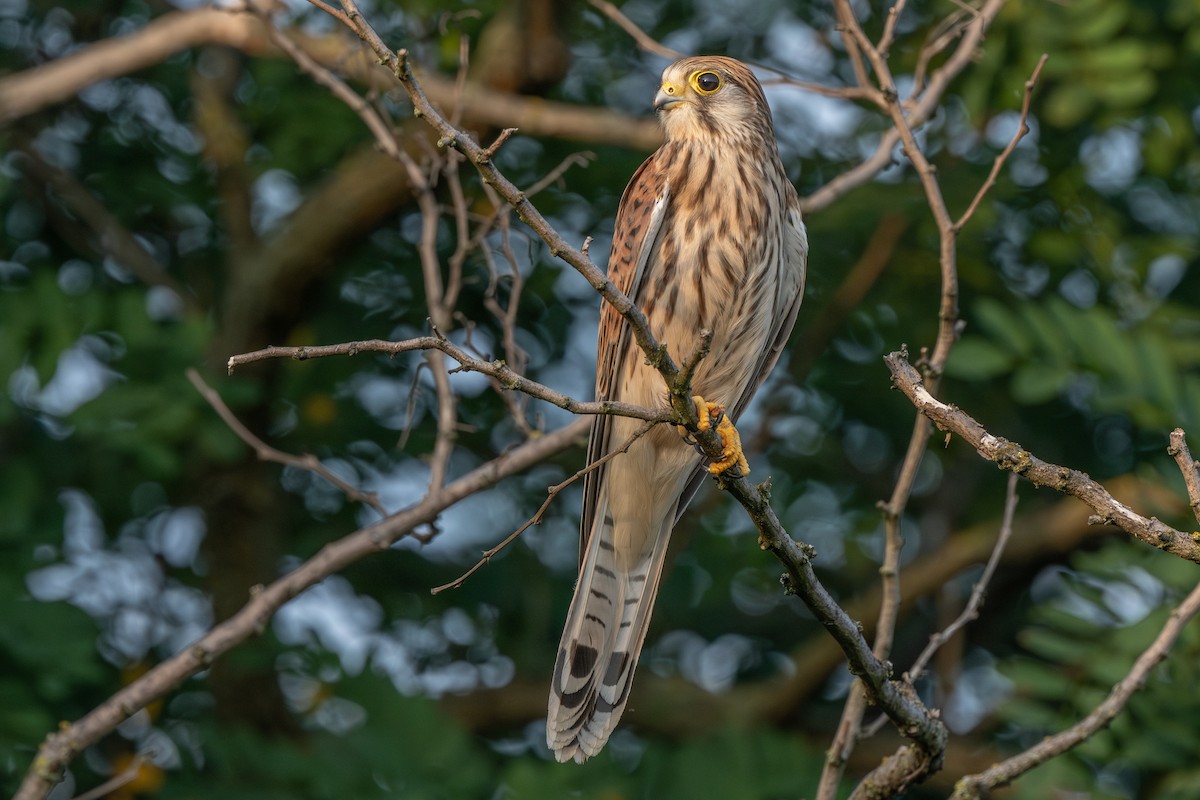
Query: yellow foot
{"x": 731, "y": 442}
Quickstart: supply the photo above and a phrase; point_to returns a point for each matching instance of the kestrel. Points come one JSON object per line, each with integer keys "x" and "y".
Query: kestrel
{"x": 708, "y": 236}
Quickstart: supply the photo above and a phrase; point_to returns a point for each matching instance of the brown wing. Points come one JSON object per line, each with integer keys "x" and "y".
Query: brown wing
{"x": 636, "y": 235}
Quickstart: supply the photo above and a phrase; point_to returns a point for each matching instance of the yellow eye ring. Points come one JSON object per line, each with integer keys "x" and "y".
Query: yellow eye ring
{"x": 705, "y": 81}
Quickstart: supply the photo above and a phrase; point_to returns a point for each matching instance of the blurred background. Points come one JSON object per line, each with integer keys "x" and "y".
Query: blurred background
{"x": 217, "y": 200}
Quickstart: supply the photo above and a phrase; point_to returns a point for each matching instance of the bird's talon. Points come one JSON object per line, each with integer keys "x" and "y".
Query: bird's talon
{"x": 711, "y": 414}
{"x": 687, "y": 436}
{"x": 707, "y": 412}
{"x": 731, "y": 448}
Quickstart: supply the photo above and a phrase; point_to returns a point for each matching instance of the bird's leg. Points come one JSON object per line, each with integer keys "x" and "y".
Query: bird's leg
{"x": 731, "y": 442}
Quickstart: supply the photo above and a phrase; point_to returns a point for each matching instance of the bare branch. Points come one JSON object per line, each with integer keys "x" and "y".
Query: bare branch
{"x": 495, "y": 369}
{"x": 441, "y": 318}
{"x": 112, "y": 238}
{"x": 945, "y": 32}
{"x": 898, "y": 772}
{"x": 998, "y": 164}
{"x": 971, "y": 611}
{"x": 60, "y": 747}
{"x": 975, "y": 787}
{"x": 536, "y": 519}
{"x": 889, "y": 27}
{"x": 1012, "y": 457}
{"x": 265, "y": 452}
{"x": 56, "y": 81}
{"x": 978, "y": 591}
{"x": 845, "y": 17}
{"x": 110, "y": 786}
{"x": 1188, "y": 466}
{"x": 643, "y": 40}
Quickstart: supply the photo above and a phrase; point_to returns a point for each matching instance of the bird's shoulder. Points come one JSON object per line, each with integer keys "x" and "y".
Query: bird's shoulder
{"x": 647, "y": 186}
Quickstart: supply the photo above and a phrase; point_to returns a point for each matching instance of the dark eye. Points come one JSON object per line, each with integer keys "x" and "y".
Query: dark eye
{"x": 708, "y": 82}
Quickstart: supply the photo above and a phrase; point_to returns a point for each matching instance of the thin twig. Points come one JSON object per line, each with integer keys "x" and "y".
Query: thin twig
{"x": 265, "y": 452}
{"x": 441, "y": 319}
{"x": 536, "y": 519}
{"x": 889, "y": 27}
{"x": 644, "y": 40}
{"x": 506, "y": 314}
{"x": 1190, "y": 468}
{"x": 110, "y": 786}
{"x": 845, "y": 17}
{"x": 938, "y": 40}
{"x": 496, "y": 369}
{"x": 978, "y": 592}
{"x": 998, "y": 163}
{"x": 975, "y": 602}
{"x": 336, "y": 13}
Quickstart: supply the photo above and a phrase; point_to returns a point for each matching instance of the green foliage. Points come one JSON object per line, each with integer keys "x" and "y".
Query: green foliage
{"x": 1148, "y": 369}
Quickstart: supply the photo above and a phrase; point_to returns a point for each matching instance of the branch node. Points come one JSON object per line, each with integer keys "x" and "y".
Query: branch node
{"x": 490, "y": 152}
{"x": 764, "y": 489}
{"x": 202, "y": 655}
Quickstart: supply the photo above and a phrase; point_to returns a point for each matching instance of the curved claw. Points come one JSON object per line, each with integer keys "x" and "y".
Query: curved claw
{"x": 689, "y": 440}
{"x": 731, "y": 441}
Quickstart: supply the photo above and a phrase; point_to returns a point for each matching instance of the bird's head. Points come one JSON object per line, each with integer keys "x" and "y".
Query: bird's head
{"x": 711, "y": 96}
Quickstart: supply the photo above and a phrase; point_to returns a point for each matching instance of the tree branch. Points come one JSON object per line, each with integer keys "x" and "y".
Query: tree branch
{"x": 536, "y": 519}
{"x": 265, "y": 452}
{"x": 62, "y": 746}
{"x": 1190, "y": 468}
{"x": 494, "y": 369}
{"x": 1012, "y": 457}
{"x": 975, "y": 787}
{"x": 111, "y": 237}
{"x": 1002, "y": 156}
{"x": 56, "y": 81}
{"x": 896, "y": 773}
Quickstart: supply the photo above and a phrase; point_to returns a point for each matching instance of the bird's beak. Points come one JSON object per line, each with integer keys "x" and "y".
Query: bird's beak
{"x": 669, "y": 95}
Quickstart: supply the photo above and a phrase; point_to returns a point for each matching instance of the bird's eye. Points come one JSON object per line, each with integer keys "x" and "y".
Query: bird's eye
{"x": 707, "y": 82}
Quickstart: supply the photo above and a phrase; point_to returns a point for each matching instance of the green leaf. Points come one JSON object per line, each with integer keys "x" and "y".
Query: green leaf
{"x": 1033, "y": 384}
{"x": 1003, "y": 326}
{"x": 976, "y": 359}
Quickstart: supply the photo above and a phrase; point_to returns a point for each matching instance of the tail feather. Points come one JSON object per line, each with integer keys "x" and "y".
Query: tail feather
{"x": 603, "y": 638}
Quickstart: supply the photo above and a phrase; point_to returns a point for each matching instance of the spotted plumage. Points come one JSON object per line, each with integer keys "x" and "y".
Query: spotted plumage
{"x": 708, "y": 236}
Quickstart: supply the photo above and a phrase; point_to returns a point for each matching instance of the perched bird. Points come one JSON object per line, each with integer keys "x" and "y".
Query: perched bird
{"x": 708, "y": 237}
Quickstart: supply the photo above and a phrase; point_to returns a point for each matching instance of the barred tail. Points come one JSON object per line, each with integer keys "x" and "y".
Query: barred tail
{"x": 601, "y": 642}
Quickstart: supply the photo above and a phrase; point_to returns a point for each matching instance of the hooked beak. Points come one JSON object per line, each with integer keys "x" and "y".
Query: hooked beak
{"x": 669, "y": 96}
